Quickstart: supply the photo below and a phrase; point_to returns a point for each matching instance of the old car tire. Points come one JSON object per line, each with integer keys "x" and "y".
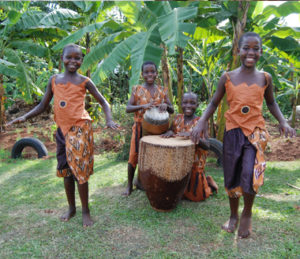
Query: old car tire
{"x": 36, "y": 144}
{"x": 216, "y": 146}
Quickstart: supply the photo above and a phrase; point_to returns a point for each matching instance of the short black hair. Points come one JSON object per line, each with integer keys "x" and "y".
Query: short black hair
{"x": 149, "y": 63}
{"x": 72, "y": 45}
{"x": 192, "y": 93}
{"x": 249, "y": 34}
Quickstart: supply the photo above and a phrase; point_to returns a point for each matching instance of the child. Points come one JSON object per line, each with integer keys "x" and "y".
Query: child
{"x": 199, "y": 187}
{"x": 245, "y": 136}
{"x": 144, "y": 97}
{"x": 74, "y": 136}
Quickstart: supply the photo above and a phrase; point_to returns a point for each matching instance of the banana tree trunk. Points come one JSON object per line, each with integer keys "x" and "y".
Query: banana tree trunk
{"x": 166, "y": 73}
{"x": 239, "y": 28}
{"x": 296, "y": 100}
{"x": 179, "y": 78}
{"x": 87, "y": 47}
{"x": 88, "y": 98}
{"x": 2, "y": 108}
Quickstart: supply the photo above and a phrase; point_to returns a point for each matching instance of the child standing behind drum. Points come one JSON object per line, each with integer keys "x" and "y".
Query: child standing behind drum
{"x": 144, "y": 97}
{"x": 245, "y": 137}
{"x": 199, "y": 187}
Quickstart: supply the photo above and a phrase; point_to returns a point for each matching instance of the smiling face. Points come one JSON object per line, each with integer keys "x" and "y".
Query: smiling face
{"x": 250, "y": 51}
{"x": 72, "y": 58}
{"x": 189, "y": 104}
{"x": 149, "y": 74}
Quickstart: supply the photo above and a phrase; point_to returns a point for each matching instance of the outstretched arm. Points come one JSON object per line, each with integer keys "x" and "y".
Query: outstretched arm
{"x": 200, "y": 130}
{"x": 284, "y": 127}
{"x": 102, "y": 101}
{"x": 37, "y": 109}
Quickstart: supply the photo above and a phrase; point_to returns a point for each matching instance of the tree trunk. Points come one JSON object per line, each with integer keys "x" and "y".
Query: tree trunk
{"x": 87, "y": 47}
{"x": 2, "y": 108}
{"x": 180, "y": 85}
{"x": 88, "y": 98}
{"x": 166, "y": 73}
{"x": 238, "y": 31}
{"x": 295, "y": 100}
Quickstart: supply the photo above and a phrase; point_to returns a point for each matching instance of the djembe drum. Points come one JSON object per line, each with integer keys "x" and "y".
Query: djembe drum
{"x": 165, "y": 165}
{"x": 155, "y": 122}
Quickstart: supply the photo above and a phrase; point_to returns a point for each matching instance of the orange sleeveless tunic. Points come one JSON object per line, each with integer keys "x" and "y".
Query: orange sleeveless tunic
{"x": 69, "y": 105}
{"x": 245, "y": 106}
{"x": 142, "y": 96}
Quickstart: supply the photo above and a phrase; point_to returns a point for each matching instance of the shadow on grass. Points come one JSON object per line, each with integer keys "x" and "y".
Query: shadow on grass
{"x": 127, "y": 227}
{"x": 29, "y": 181}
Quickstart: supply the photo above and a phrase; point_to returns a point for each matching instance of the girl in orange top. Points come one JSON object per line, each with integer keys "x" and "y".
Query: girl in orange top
{"x": 199, "y": 187}
{"x": 245, "y": 136}
{"x": 74, "y": 135}
{"x": 143, "y": 97}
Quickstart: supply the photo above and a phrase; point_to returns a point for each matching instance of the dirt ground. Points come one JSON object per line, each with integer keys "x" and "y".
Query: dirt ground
{"x": 43, "y": 128}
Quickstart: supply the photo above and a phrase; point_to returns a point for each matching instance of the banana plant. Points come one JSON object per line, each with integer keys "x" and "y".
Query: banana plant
{"x": 25, "y": 33}
{"x": 145, "y": 27}
{"x": 247, "y": 16}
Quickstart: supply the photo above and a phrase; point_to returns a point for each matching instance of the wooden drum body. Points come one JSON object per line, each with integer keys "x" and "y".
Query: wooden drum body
{"x": 165, "y": 165}
{"x": 155, "y": 122}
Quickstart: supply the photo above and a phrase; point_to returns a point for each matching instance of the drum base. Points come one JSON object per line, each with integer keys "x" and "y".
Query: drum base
{"x": 163, "y": 195}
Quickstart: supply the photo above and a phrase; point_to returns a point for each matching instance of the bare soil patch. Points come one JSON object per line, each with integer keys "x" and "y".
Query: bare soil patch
{"x": 280, "y": 148}
{"x": 43, "y": 127}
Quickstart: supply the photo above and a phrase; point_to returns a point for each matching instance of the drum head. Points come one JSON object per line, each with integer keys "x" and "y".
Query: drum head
{"x": 154, "y": 116}
{"x": 167, "y": 142}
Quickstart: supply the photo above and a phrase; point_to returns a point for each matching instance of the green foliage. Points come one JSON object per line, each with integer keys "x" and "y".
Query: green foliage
{"x": 120, "y": 35}
{"x": 126, "y": 121}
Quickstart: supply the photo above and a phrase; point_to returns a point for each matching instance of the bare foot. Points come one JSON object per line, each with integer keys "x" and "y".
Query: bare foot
{"x": 69, "y": 214}
{"x": 212, "y": 184}
{"x": 231, "y": 225}
{"x": 245, "y": 227}
{"x": 86, "y": 219}
{"x": 128, "y": 191}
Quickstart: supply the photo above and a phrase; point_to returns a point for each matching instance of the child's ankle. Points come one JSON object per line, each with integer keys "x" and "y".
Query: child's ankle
{"x": 85, "y": 211}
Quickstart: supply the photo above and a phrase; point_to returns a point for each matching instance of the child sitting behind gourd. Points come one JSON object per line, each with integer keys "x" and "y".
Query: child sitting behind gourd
{"x": 182, "y": 126}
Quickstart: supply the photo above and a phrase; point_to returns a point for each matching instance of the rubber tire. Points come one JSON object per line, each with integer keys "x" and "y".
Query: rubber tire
{"x": 36, "y": 144}
{"x": 216, "y": 146}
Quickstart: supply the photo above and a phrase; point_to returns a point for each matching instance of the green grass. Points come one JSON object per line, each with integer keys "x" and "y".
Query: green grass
{"x": 32, "y": 199}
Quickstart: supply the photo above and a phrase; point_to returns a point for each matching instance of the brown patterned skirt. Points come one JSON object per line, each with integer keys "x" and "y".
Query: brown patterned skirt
{"x": 75, "y": 153}
{"x": 244, "y": 162}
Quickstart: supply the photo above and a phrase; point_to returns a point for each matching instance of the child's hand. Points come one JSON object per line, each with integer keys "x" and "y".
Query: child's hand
{"x": 148, "y": 106}
{"x": 112, "y": 125}
{"x": 199, "y": 131}
{"x": 285, "y": 129}
{"x": 168, "y": 134}
{"x": 16, "y": 120}
{"x": 163, "y": 107}
{"x": 184, "y": 134}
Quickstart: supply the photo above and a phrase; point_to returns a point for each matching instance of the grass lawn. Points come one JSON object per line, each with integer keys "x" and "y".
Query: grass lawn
{"x": 32, "y": 199}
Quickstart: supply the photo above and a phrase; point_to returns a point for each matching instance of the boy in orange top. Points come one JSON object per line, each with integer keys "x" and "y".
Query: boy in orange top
{"x": 199, "y": 187}
{"x": 143, "y": 97}
{"x": 245, "y": 136}
{"x": 74, "y": 136}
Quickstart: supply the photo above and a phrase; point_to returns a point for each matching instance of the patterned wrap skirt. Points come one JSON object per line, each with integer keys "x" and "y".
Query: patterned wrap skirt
{"x": 75, "y": 152}
{"x": 134, "y": 143}
{"x": 244, "y": 162}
